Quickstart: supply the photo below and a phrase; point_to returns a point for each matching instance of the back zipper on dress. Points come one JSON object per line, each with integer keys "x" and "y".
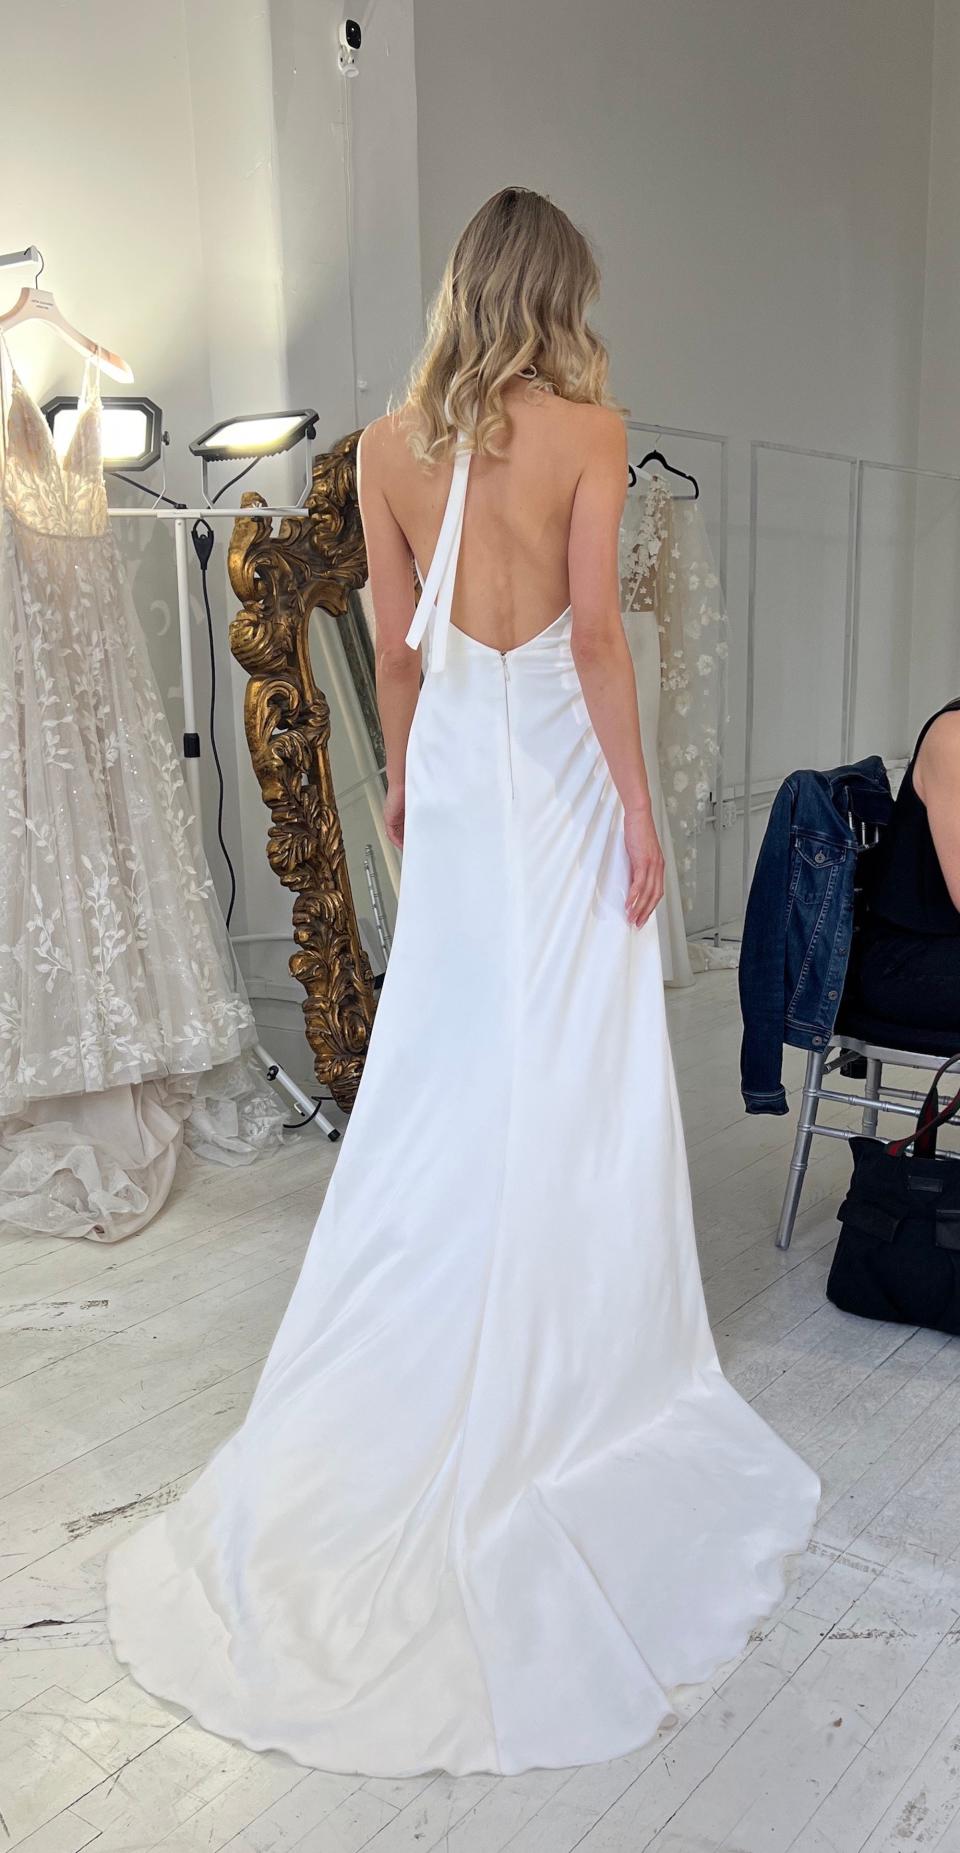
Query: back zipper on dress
{"x": 506, "y": 709}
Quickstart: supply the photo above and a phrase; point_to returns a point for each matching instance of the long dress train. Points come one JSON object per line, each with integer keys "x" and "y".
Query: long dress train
{"x": 494, "y": 1497}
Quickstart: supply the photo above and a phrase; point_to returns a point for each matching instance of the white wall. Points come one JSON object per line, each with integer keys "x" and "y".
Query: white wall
{"x": 935, "y": 659}
{"x": 754, "y": 175}
{"x": 940, "y": 382}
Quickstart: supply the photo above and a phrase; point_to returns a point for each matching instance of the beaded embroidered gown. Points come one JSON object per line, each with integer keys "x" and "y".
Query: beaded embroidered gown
{"x": 117, "y": 981}
{"x": 494, "y": 1498}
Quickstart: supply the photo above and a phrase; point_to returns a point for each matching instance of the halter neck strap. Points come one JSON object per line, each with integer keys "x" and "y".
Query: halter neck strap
{"x": 436, "y": 597}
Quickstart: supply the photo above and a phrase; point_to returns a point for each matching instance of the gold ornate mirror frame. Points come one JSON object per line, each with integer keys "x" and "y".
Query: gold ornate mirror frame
{"x": 311, "y": 563}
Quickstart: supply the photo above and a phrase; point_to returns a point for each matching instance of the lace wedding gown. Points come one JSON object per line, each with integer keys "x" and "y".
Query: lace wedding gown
{"x": 493, "y": 1499}
{"x": 676, "y": 626}
{"x": 119, "y": 999}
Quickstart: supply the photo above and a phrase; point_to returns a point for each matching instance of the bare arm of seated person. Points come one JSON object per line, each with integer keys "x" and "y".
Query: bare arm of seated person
{"x": 936, "y": 781}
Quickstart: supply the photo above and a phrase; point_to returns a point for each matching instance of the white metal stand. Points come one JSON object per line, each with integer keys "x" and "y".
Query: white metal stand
{"x": 180, "y": 517}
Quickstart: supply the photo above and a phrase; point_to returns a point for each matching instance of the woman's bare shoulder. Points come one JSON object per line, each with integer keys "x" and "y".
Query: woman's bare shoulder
{"x": 583, "y": 415}
{"x": 938, "y": 761}
{"x": 601, "y": 427}
{"x": 591, "y": 433}
{"x": 943, "y": 735}
{"x": 385, "y": 441}
{"x": 601, "y": 437}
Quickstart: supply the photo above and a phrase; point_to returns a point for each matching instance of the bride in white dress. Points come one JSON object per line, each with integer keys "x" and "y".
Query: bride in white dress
{"x": 494, "y": 1499}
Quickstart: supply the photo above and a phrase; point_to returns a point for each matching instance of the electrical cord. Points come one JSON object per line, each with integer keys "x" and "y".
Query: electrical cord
{"x": 145, "y": 489}
{"x": 321, "y": 1100}
{"x": 203, "y": 543}
{"x": 203, "y": 538}
{"x": 235, "y": 479}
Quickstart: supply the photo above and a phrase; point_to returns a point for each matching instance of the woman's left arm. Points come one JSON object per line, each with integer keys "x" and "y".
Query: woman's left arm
{"x": 390, "y": 569}
{"x": 937, "y": 783}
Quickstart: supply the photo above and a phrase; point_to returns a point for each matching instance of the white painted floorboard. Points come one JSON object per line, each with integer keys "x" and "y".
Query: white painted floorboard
{"x": 122, "y": 1368}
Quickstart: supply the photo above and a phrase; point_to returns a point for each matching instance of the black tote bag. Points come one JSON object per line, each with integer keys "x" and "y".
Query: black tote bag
{"x": 898, "y": 1254}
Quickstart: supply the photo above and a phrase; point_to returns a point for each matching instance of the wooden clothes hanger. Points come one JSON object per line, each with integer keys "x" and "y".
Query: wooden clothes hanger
{"x": 36, "y": 305}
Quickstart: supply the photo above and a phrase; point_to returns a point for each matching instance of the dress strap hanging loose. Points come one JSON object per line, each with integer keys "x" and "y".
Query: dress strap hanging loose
{"x": 90, "y": 384}
{"x": 436, "y": 597}
{"x": 8, "y": 377}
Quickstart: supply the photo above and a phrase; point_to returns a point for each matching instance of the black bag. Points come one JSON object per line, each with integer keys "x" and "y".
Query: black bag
{"x": 898, "y": 1255}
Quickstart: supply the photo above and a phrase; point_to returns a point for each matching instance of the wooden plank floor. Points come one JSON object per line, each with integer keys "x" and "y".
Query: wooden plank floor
{"x": 837, "y": 1731}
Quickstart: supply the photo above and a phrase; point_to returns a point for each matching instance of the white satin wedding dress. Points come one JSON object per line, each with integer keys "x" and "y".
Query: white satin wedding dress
{"x": 494, "y": 1498}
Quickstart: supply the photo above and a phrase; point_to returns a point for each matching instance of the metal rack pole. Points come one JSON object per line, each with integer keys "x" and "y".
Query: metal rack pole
{"x": 851, "y": 635}
{"x": 723, "y": 688}
{"x": 750, "y": 671}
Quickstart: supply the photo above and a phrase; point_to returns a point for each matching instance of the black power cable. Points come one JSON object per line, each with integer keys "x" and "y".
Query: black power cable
{"x": 297, "y": 1125}
{"x": 235, "y": 479}
{"x": 203, "y": 541}
{"x": 145, "y": 489}
{"x": 203, "y": 538}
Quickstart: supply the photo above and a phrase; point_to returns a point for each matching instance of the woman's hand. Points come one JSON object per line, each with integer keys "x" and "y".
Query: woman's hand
{"x": 646, "y": 866}
{"x": 393, "y": 814}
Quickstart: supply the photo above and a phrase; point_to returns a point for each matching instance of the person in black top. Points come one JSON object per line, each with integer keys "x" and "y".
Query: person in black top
{"x": 907, "y": 964}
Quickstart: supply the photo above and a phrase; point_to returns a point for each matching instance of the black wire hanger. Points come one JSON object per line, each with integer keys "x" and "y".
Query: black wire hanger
{"x": 657, "y": 456}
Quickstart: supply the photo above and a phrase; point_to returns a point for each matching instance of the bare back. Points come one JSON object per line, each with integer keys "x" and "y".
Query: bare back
{"x": 534, "y": 541}
{"x": 513, "y": 574}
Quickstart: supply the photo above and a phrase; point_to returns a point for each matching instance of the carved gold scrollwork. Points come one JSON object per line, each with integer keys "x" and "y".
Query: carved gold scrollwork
{"x": 313, "y": 562}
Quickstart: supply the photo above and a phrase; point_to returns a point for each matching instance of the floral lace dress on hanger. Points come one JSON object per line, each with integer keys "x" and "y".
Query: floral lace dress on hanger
{"x": 118, "y": 989}
{"x": 667, "y": 571}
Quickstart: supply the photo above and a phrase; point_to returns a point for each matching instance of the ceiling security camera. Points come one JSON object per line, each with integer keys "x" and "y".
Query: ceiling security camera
{"x": 351, "y": 38}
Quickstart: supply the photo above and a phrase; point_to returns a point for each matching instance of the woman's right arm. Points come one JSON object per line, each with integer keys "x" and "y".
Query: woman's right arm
{"x": 936, "y": 781}
{"x": 601, "y": 652}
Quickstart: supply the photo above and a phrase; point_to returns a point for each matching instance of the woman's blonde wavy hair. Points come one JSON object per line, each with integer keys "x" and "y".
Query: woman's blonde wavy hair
{"x": 514, "y": 294}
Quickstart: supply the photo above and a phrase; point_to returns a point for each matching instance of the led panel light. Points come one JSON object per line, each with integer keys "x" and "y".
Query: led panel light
{"x": 132, "y": 430}
{"x": 259, "y": 434}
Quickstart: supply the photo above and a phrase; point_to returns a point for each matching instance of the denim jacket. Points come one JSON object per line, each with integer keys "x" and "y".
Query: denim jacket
{"x": 798, "y": 922}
